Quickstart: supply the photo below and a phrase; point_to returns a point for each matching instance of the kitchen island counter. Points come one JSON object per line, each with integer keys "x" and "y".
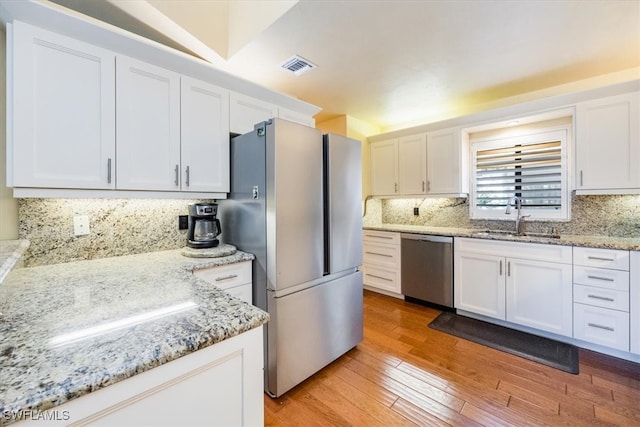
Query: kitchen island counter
{"x": 604, "y": 242}
{"x": 69, "y": 329}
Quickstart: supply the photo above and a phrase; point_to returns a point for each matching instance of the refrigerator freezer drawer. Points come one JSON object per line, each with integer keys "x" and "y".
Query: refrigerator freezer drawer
{"x": 311, "y": 328}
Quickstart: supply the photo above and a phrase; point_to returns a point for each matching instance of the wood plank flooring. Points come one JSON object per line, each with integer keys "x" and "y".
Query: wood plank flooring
{"x": 404, "y": 374}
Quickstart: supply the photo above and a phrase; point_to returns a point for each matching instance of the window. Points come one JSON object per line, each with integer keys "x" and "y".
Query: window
{"x": 532, "y": 167}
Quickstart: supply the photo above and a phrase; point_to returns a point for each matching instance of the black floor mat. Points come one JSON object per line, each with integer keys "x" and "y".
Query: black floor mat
{"x": 552, "y": 353}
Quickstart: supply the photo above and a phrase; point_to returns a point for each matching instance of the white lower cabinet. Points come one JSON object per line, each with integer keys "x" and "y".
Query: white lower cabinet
{"x": 381, "y": 262}
{"x": 523, "y": 283}
{"x": 235, "y": 279}
{"x": 221, "y": 385}
{"x": 601, "y": 297}
{"x": 634, "y": 302}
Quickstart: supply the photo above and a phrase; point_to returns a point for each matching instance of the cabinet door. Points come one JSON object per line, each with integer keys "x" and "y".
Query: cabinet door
{"x": 63, "y": 107}
{"x": 412, "y": 164}
{"x": 540, "y": 295}
{"x": 608, "y": 144}
{"x": 443, "y": 162}
{"x": 204, "y": 142}
{"x": 634, "y": 301}
{"x": 148, "y": 126}
{"x": 479, "y": 284}
{"x": 384, "y": 168}
{"x": 245, "y": 112}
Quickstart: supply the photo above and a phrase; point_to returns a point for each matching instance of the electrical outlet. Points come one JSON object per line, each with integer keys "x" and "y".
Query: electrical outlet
{"x": 183, "y": 222}
{"x": 416, "y": 211}
{"x": 80, "y": 225}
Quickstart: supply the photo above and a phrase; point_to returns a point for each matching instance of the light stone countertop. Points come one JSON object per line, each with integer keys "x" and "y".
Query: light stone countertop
{"x": 604, "y": 242}
{"x": 40, "y": 305}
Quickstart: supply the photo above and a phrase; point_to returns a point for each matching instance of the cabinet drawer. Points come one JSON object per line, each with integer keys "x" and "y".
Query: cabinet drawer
{"x": 601, "y": 326}
{"x": 226, "y": 276}
{"x": 242, "y": 292}
{"x": 600, "y": 297}
{"x": 381, "y": 255}
{"x": 387, "y": 280}
{"x": 605, "y": 258}
{"x": 601, "y": 277}
{"x": 531, "y": 251}
{"x": 381, "y": 237}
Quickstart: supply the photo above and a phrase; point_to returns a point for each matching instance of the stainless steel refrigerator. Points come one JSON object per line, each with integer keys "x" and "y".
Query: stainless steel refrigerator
{"x": 295, "y": 203}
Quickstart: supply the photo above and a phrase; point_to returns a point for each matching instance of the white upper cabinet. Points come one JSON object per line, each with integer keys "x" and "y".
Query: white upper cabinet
{"x": 608, "y": 145}
{"x": 412, "y": 164}
{"x": 434, "y": 163}
{"x": 446, "y": 163}
{"x": 384, "y": 168}
{"x": 204, "y": 136}
{"x": 148, "y": 126}
{"x": 61, "y": 111}
{"x": 245, "y": 112}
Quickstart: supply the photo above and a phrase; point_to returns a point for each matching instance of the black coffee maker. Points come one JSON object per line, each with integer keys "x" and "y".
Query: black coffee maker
{"x": 204, "y": 227}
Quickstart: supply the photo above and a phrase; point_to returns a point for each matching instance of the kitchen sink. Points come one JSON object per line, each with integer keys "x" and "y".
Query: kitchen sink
{"x": 506, "y": 233}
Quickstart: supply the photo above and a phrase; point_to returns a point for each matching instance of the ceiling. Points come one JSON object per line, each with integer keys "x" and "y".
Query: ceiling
{"x": 395, "y": 62}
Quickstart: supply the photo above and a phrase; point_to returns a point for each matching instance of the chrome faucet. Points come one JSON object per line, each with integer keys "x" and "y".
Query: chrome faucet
{"x": 520, "y": 218}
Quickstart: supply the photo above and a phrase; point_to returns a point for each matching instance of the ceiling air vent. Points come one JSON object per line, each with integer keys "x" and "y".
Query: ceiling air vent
{"x": 297, "y": 65}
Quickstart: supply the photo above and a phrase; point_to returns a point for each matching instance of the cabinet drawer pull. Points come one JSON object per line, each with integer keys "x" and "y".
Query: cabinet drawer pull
{"x": 380, "y": 237}
{"x": 109, "y": 171}
{"x": 608, "y": 279}
{"x": 231, "y": 276}
{"x": 380, "y": 277}
{"x": 187, "y": 176}
{"x": 423, "y": 186}
{"x": 376, "y": 253}
{"x": 600, "y": 258}
{"x": 177, "y": 180}
{"x": 606, "y": 328}
{"x": 600, "y": 298}
{"x": 509, "y": 268}
{"x": 500, "y": 268}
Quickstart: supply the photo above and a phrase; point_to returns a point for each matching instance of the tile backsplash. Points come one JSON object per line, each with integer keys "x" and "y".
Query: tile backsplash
{"x": 117, "y": 227}
{"x": 617, "y": 216}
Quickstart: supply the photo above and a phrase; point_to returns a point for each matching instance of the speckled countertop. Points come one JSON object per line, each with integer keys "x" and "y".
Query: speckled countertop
{"x": 568, "y": 240}
{"x": 41, "y": 305}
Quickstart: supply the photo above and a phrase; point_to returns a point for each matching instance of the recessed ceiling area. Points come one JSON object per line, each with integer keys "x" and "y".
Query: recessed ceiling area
{"x": 393, "y": 63}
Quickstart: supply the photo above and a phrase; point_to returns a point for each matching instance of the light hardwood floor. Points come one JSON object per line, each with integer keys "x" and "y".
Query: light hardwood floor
{"x": 404, "y": 373}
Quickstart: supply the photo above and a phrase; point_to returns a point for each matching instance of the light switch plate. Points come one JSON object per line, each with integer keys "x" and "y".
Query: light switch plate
{"x": 80, "y": 225}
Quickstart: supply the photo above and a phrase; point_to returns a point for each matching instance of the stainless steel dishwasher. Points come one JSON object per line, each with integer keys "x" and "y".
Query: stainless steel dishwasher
{"x": 427, "y": 268}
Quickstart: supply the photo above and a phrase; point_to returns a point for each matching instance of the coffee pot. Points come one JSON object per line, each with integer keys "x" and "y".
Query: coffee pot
{"x": 204, "y": 227}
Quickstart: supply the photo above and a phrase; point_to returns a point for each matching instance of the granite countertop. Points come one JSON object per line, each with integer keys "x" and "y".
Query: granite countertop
{"x": 168, "y": 313}
{"x": 606, "y": 242}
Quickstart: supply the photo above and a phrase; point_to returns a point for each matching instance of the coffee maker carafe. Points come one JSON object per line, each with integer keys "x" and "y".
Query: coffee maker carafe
{"x": 204, "y": 227}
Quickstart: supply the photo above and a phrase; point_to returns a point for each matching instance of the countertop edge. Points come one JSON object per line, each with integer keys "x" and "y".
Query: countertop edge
{"x": 10, "y": 253}
{"x": 603, "y": 242}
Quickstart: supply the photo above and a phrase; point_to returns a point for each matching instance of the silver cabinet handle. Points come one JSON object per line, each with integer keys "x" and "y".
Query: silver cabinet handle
{"x": 231, "y": 276}
{"x": 187, "y": 174}
{"x": 376, "y": 253}
{"x": 581, "y": 182}
{"x": 606, "y": 328}
{"x": 423, "y": 186}
{"x": 608, "y": 279}
{"x": 109, "y": 171}
{"x": 600, "y": 298}
{"x": 177, "y": 180}
{"x": 600, "y": 258}
{"x": 500, "y": 268}
{"x": 428, "y": 185}
{"x": 380, "y": 277}
{"x": 380, "y": 237}
{"x": 396, "y": 187}
{"x": 509, "y": 268}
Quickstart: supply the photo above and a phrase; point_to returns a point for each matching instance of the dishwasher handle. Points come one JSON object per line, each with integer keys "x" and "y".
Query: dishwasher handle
{"x": 427, "y": 238}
